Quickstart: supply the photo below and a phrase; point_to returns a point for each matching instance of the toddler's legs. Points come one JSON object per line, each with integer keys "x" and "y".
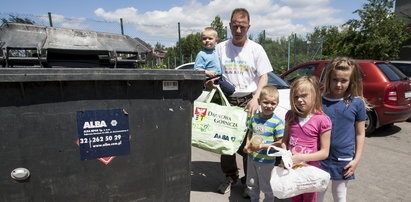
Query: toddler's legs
{"x": 226, "y": 87}
{"x": 339, "y": 190}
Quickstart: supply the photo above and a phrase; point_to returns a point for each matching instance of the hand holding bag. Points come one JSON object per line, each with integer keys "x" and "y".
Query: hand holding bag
{"x": 295, "y": 180}
{"x": 218, "y": 128}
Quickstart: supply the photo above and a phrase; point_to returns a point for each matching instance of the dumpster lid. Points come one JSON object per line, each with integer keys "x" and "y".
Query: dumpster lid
{"x": 34, "y": 45}
{"x": 17, "y": 35}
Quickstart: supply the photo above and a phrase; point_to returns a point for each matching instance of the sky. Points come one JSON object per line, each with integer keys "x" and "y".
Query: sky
{"x": 157, "y": 20}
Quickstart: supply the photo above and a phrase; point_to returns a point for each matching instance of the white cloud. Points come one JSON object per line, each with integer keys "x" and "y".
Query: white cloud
{"x": 65, "y": 22}
{"x": 119, "y": 13}
{"x": 277, "y": 18}
{"x": 303, "y": 3}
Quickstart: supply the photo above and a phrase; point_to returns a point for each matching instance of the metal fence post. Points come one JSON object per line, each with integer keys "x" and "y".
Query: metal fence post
{"x": 51, "y": 22}
{"x": 121, "y": 24}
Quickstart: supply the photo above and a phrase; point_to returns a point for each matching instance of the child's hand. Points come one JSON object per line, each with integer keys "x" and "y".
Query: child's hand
{"x": 209, "y": 84}
{"x": 350, "y": 168}
{"x": 297, "y": 159}
{"x": 247, "y": 149}
{"x": 210, "y": 73}
{"x": 255, "y": 147}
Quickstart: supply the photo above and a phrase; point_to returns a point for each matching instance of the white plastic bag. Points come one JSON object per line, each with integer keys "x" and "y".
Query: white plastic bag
{"x": 295, "y": 180}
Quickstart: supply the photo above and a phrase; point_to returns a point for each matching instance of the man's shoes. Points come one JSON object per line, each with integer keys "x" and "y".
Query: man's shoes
{"x": 243, "y": 180}
{"x": 246, "y": 193}
{"x": 225, "y": 187}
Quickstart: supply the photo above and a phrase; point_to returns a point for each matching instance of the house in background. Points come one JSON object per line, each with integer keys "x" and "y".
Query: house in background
{"x": 403, "y": 10}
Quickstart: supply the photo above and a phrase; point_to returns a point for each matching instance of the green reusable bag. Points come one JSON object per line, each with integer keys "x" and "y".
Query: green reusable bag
{"x": 218, "y": 128}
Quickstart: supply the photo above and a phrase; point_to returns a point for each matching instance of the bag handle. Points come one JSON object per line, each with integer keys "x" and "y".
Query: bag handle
{"x": 285, "y": 155}
{"x": 224, "y": 99}
{"x": 210, "y": 96}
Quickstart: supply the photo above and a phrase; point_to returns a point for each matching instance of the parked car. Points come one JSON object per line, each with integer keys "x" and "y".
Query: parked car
{"x": 284, "y": 94}
{"x": 403, "y": 66}
{"x": 273, "y": 80}
{"x": 385, "y": 87}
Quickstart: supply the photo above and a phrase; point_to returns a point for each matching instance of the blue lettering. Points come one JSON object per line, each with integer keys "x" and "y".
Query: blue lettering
{"x": 223, "y": 137}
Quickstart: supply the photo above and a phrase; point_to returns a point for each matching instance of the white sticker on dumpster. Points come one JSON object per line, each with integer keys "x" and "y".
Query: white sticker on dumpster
{"x": 170, "y": 85}
{"x": 103, "y": 133}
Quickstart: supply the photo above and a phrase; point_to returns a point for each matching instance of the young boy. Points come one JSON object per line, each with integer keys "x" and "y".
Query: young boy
{"x": 207, "y": 60}
{"x": 265, "y": 129}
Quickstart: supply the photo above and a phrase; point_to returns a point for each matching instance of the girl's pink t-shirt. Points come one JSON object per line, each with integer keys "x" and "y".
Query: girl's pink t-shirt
{"x": 306, "y": 139}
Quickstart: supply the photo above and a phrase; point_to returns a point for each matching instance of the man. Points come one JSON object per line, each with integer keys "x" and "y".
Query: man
{"x": 245, "y": 65}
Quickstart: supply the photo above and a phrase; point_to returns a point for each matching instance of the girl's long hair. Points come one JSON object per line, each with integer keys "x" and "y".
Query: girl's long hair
{"x": 312, "y": 85}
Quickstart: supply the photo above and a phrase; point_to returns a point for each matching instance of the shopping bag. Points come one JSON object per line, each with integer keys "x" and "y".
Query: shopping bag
{"x": 294, "y": 180}
{"x": 218, "y": 128}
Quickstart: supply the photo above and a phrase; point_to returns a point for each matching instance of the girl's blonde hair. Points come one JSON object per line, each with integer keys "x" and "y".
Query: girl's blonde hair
{"x": 355, "y": 88}
{"x": 308, "y": 83}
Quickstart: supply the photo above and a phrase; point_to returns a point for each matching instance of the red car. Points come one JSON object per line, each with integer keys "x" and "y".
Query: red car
{"x": 385, "y": 87}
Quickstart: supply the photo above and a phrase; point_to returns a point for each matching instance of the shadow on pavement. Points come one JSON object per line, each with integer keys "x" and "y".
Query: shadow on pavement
{"x": 206, "y": 176}
{"x": 385, "y": 131}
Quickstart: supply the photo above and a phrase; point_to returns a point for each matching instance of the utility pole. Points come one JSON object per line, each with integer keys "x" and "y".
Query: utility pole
{"x": 295, "y": 49}
{"x": 264, "y": 35}
{"x": 179, "y": 44}
{"x": 289, "y": 52}
{"x": 321, "y": 46}
{"x": 226, "y": 33}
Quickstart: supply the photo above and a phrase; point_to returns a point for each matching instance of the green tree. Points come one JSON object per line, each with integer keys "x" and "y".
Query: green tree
{"x": 261, "y": 39}
{"x": 277, "y": 53}
{"x": 190, "y": 45}
{"x": 13, "y": 18}
{"x": 218, "y": 25}
{"x": 159, "y": 46}
{"x": 378, "y": 34}
{"x": 326, "y": 41}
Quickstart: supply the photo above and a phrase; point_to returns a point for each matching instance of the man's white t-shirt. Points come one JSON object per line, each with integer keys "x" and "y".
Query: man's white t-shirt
{"x": 243, "y": 66}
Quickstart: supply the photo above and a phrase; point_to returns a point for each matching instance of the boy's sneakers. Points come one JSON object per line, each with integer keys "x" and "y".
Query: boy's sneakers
{"x": 225, "y": 187}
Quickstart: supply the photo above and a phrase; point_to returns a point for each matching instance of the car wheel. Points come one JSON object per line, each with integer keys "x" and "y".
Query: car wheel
{"x": 370, "y": 123}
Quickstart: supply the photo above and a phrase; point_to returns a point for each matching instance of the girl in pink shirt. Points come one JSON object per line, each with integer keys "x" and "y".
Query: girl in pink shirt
{"x": 307, "y": 128}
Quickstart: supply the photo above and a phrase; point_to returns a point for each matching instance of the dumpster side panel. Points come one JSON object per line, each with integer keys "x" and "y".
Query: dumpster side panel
{"x": 38, "y": 131}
